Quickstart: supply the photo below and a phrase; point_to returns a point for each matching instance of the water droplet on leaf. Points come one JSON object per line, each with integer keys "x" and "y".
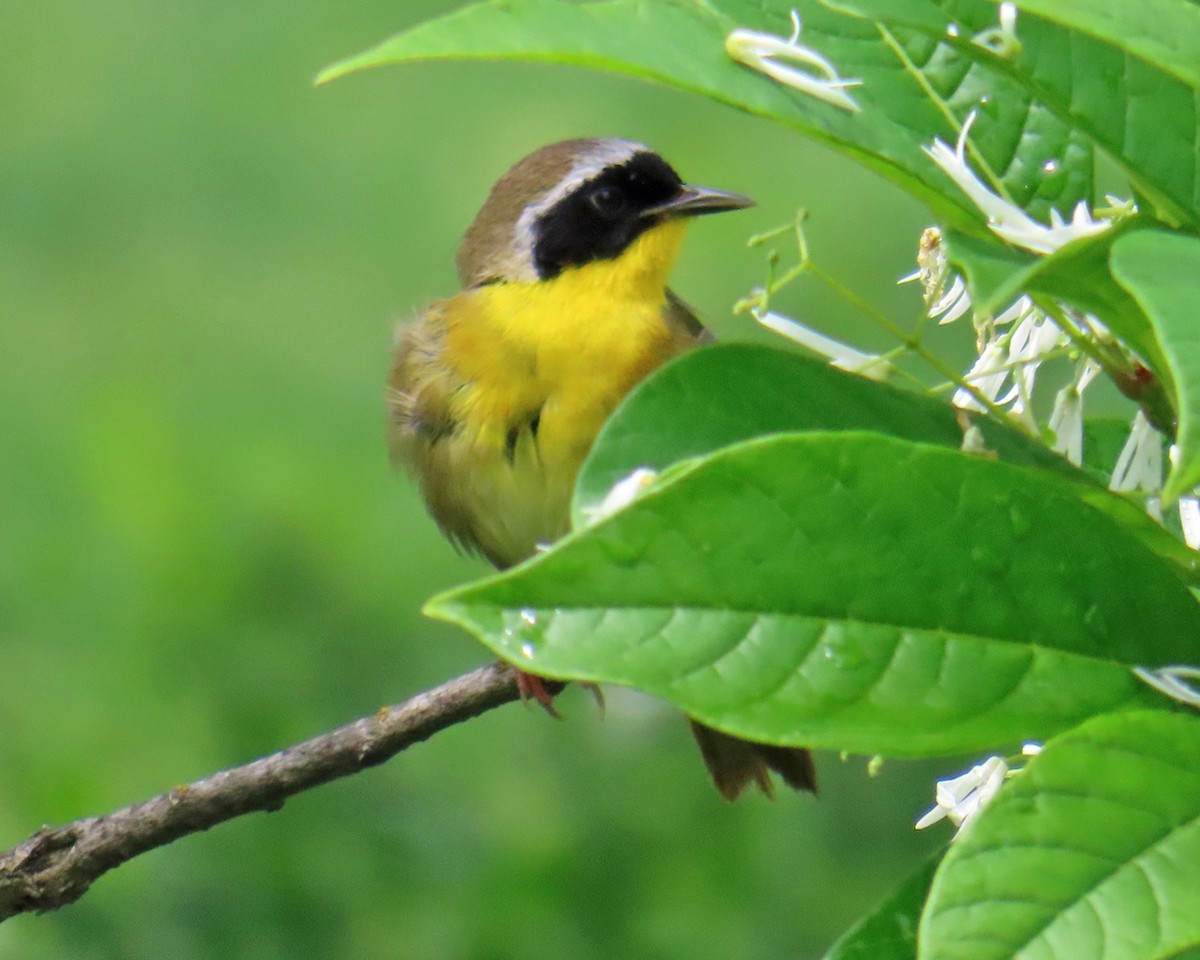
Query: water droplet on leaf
{"x": 843, "y": 654}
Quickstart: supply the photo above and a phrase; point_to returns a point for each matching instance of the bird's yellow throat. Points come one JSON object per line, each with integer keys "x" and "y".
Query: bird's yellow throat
{"x": 572, "y": 345}
{"x": 591, "y": 316}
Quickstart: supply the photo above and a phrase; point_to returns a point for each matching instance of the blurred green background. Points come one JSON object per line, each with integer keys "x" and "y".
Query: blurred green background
{"x": 204, "y": 555}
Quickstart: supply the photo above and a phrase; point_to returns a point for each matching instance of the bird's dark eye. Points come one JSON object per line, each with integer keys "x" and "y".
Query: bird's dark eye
{"x": 607, "y": 200}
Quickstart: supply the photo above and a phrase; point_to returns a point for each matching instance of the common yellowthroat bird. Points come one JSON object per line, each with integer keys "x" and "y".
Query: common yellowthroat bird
{"x": 496, "y": 394}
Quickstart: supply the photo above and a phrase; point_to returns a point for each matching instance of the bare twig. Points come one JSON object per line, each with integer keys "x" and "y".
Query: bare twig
{"x": 56, "y": 865}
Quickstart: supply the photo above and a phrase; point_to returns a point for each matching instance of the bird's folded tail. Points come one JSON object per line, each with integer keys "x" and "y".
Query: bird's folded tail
{"x": 735, "y": 763}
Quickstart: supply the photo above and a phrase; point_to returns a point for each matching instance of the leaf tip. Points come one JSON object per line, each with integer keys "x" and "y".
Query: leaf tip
{"x": 440, "y": 607}
{"x": 332, "y": 72}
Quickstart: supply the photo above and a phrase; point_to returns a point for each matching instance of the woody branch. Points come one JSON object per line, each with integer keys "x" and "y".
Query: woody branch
{"x": 57, "y": 865}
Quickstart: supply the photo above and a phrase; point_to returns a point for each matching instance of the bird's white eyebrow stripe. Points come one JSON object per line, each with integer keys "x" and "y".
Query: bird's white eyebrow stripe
{"x": 607, "y": 153}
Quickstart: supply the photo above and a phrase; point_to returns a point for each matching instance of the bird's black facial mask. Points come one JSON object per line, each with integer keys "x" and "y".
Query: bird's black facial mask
{"x": 604, "y": 215}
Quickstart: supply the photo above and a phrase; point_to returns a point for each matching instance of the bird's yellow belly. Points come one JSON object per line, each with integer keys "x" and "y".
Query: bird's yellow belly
{"x": 552, "y": 387}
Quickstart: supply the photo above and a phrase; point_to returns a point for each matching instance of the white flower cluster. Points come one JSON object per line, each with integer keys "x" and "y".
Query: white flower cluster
{"x": 1010, "y": 346}
{"x": 1013, "y": 344}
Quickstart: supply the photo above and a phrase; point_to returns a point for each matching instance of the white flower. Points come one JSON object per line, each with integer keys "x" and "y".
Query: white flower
{"x": 1140, "y": 463}
{"x": 1019, "y": 310}
{"x": 1066, "y": 420}
{"x": 961, "y": 797}
{"x": 1172, "y": 681}
{"x": 1006, "y": 220}
{"x": 1066, "y": 423}
{"x": 1028, "y": 345}
{"x": 953, "y": 303}
{"x": 765, "y": 52}
{"x": 841, "y": 355}
{"x": 987, "y": 376}
{"x": 622, "y": 494}
{"x": 1013, "y": 354}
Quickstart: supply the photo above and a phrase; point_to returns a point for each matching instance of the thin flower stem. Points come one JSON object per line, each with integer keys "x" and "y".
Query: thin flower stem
{"x": 909, "y": 343}
{"x": 1149, "y": 394}
{"x": 914, "y": 345}
{"x": 1107, "y": 357}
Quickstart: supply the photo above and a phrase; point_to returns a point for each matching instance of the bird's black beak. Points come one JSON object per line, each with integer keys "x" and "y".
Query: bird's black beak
{"x": 692, "y": 201}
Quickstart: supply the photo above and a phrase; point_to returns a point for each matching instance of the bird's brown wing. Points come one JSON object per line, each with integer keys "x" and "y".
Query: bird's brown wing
{"x": 421, "y": 425}
{"x": 482, "y": 481}
{"x": 490, "y": 497}
{"x": 683, "y": 322}
{"x": 419, "y": 388}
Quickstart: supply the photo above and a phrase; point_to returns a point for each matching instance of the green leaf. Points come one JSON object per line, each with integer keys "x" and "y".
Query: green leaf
{"x": 850, "y": 591}
{"x": 730, "y": 392}
{"x": 1143, "y": 117}
{"x": 1164, "y": 33}
{"x": 682, "y": 43}
{"x": 1041, "y": 112}
{"x": 727, "y": 393}
{"x": 1078, "y": 275}
{"x": 889, "y": 932}
{"x": 995, "y": 273}
{"x": 1103, "y": 440}
{"x": 1160, "y": 271}
{"x": 1092, "y": 852}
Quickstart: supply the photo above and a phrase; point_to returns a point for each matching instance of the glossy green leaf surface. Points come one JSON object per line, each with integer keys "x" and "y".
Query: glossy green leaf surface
{"x": 682, "y": 43}
{"x": 732, "y": 392}
{"x": 1164, "y": 33}
{"x": 729, "y": 392}
{"x": 851, "y": 591}
{"x": 1092, "y": 852}
{"x": 889, "y": 932}
{"x": 1160, "y": 271}
{"x": 1144, "y": 117}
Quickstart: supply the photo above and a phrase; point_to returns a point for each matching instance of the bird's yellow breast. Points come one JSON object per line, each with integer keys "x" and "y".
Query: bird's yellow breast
{"x": 569, "y": 348}
{"x": 500, "y": 390}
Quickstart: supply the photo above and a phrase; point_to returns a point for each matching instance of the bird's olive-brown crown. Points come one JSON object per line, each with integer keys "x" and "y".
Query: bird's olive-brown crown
{"x": 565, "y": 205}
